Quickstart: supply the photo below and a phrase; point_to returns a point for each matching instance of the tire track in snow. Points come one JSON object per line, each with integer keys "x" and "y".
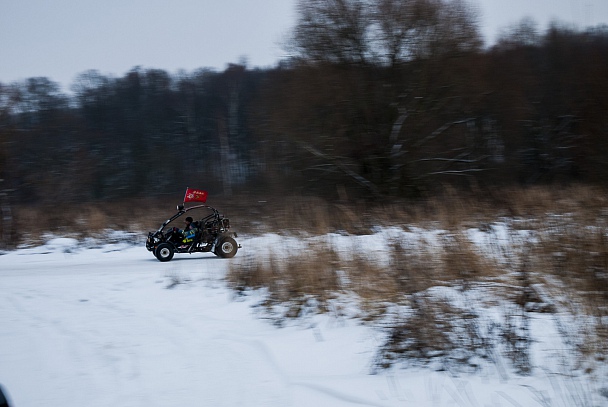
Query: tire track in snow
{"x": 53, "y": 342}
{"x": 264, "y": 350}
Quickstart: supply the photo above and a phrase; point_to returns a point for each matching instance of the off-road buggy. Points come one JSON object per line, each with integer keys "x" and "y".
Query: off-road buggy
{"x": 211, "y": 234}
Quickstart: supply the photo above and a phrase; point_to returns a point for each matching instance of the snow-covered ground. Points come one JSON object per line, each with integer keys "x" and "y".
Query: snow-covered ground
{"x": 85, "y": 324}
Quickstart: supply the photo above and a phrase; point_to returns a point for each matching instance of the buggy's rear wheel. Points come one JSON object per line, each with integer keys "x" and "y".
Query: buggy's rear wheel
{"x": 164, "y": 252}
{"x": 226, "y": 247}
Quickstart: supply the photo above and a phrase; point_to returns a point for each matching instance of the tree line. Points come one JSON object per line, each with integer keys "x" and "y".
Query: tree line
{"x": 378, "y": 99}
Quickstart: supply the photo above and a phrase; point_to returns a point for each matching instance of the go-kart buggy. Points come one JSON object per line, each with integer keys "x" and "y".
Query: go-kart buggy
{"x": 211, "y": 234}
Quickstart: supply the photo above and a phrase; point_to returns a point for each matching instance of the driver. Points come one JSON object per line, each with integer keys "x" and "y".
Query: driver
{"x": 188, "y": 222}
{"x": 189, "y": 230}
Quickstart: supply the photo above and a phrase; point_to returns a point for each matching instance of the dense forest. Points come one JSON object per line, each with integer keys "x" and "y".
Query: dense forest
{"x": 379, "y": 99}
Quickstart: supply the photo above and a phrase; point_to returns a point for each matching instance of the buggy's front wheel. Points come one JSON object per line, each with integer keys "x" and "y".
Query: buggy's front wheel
{"x": 226, "y": 247}
{"x": 164, "y": 252}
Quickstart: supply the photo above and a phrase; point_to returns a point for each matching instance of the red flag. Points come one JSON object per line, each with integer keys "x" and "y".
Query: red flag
{"x": 195, "y": 195}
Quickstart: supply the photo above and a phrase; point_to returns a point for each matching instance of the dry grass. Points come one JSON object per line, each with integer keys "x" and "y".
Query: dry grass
{"x": 30, "y": 224}
{"x": 309, "y": 274}
{"x": 450, "y": 210}
{"x": 318, "y": 270}
{"x": 435, "y": 331}
{"x": 566, "y": 257}
{"x": 577, "y": 255}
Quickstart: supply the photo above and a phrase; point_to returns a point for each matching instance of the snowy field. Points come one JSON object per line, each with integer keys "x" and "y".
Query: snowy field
{"x": 102, "y": 325}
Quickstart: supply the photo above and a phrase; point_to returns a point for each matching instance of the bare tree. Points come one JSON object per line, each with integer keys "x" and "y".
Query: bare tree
{"x": 524, "y": 33}
{"x": 332, "y": 31}
{"x": 385, "y": 31}
{"x": 402, "y": 28}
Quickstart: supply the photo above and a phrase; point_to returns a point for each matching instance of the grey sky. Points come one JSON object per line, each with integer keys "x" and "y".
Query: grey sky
{"x": 61, "y": 38}
{"x": 497, "y": 14}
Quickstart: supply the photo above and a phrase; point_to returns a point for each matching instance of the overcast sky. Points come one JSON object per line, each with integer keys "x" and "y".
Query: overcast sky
{"x": 61, "y": 38}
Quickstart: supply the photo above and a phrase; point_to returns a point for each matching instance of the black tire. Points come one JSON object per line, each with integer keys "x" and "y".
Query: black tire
{"x": 226, "y": 247}
{"x": 164, "y": 252}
